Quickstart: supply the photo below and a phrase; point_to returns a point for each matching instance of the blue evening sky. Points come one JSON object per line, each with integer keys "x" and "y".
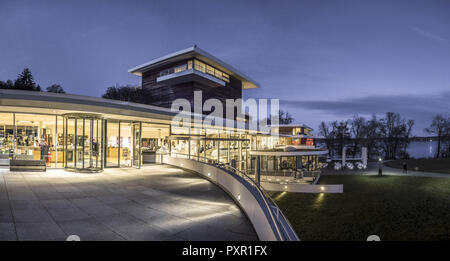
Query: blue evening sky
{"x": 324, "y": 60}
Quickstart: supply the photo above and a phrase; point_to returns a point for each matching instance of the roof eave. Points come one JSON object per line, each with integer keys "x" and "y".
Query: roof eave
{"x": 248, "y": 83}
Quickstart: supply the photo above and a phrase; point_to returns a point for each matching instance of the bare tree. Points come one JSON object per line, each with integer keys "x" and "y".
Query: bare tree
{"x": 439, "y": 127}
{"x": 56, "y": 88}
{"x": 285, "y": 117}
{"x": 357, "y": 130}
{"x": 371, "y": 134}
{"x": 341, "y": 134}
{"x": 324, "y": 130}
{"x": 394, "y": 132}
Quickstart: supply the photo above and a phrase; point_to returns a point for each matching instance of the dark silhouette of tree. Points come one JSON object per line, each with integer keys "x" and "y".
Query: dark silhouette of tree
{"x": 439, "y": 127}
{"x": 128, "y": 93}
{"x": 325, "y": 131}
{"x": 6, "y": 85}
{"x": 371, "y": 130}
{"x": 357, "y": 130}
{"x": 25, "y": 81}
{"x": 341, "y": 133}
{"x": 394, "y": 132}
{"x": 285, "y": 117}
{"x": 390, "y": 135}
{"x": 56, "y": 88}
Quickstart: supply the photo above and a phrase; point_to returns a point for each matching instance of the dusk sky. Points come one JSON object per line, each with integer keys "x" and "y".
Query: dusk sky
{"x": 324, "y": 60}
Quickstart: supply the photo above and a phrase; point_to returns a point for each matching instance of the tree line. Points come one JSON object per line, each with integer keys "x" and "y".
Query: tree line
{"x": 129, "y": 93}
{"x": 387, "y": 137}
{"x": 141, "y": 95}
{"x": 25, "y": 81}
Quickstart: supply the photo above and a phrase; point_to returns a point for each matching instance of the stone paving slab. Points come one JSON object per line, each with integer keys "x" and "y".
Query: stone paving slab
{"x": 7, "y": 231}
{"x": 153, "y": 203}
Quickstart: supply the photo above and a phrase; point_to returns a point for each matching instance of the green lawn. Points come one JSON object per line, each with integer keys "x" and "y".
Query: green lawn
{"x": 441, "y": 165}
{"x": 392, "y": 207}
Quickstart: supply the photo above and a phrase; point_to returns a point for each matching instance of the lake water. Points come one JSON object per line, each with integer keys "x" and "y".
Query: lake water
{"x": 422, "y": 149}
{"x": 416, "y": 149}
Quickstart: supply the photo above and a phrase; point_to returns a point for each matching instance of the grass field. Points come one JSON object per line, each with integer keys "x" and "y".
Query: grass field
{"x": 392, "y": 207}
{"x": 441, "y": 165}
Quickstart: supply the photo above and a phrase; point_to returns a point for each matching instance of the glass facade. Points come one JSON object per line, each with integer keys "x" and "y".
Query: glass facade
{"x": 198, "y": 66}
{"x": 6, "y": 135}
{"x": 78, "y": 142}
{"x": 35, "y": 137}
{"x": 211, "y": 145}
{"x": 84, "y": 142}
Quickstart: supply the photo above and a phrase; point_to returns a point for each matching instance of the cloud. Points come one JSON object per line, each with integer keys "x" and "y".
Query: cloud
{"x": 429, "y": 35}
{"x": 421, "y": 108}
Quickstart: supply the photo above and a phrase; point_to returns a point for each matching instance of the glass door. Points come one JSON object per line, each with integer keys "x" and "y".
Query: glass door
{"x": 96, "y": 147}
{"x": 70, "y": 142}
{"x": 83, "y": 138}
{"x": 137, "y": 130}
{"x": 112, "y": 144}
{"x": 79, "y": 155}
{"x": 126, "y": 144}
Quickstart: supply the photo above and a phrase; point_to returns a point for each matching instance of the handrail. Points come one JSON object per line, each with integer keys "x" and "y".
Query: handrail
{"x": 268, "y": 200}
{"x": 283, "y": 228}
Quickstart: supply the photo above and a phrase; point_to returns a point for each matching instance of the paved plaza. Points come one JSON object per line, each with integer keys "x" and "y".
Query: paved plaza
{"x": 153, "y": 203}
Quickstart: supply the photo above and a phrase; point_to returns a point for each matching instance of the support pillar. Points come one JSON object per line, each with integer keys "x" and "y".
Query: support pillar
{"x": 344, "y": 149}
{"x": 258, "y": 170}
{"x": 364, "y": 156}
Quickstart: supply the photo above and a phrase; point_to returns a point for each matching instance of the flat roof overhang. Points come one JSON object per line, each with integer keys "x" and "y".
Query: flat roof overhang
{"x": 60, "y": 104}
{"x": 189, "y": 76}
{"x": 195, "y": 52}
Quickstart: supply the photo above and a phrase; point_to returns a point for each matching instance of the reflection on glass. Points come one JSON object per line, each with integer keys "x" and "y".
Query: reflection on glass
{"x": 180, "y": 147}
{"x": 137, "y": 155}
{"x": 6, "y": 135}
{"x": 35, "y": 137}
{"x": 83, "y": 144}
{"x": 70, "y": 143}
{"x": 79, "y": 158}
{"x": 59, "y": 151}
{"x": 223, "y": 151}
{"x": 112, "y": 146}
{"x": 212, "y": 149}
{"x": 126, "y": 144}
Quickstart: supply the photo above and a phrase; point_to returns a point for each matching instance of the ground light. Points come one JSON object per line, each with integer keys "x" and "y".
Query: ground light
{"x": 319, "y": 199}
{"x": 380, "y": 163}
{"x": 280, "y": 195}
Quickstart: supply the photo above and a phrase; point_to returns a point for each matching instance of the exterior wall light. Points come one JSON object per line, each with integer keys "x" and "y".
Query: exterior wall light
{"x": 239, "y": 197}
{"x": 285, "y": 187}
{"x": 209, "y": 174}
{"x": 322, "y": 188}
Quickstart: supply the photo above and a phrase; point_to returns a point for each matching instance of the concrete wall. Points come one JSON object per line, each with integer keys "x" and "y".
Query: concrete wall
{"x": 236, "y": 189}
{"x": 303, "y": 188}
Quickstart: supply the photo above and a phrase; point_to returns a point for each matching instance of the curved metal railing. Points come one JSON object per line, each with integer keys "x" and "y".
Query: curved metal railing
{"x": 281, "y": 226}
